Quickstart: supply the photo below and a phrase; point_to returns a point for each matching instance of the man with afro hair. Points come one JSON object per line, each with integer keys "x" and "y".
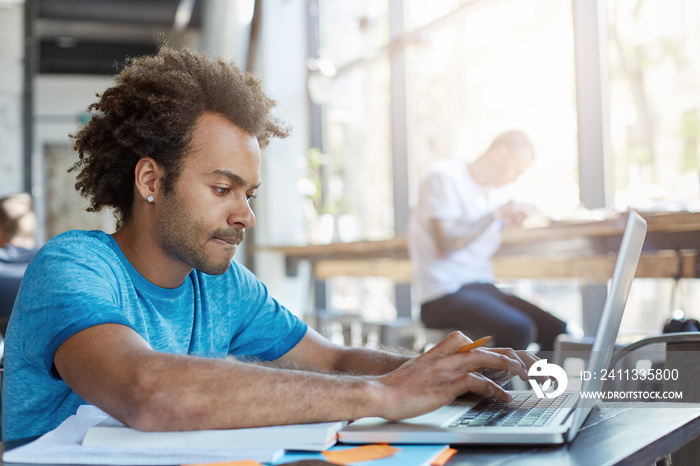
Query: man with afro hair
{"x": 155, "y": 324}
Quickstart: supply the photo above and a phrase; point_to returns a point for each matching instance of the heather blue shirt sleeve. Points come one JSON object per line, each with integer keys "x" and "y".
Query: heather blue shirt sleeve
{"x": 70, "y": 285}
{"x": 66, "y": 291}
{"x": 266, "y": 330}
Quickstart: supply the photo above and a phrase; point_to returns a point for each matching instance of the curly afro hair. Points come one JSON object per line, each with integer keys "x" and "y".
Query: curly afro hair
{"x": 151, "y": 111}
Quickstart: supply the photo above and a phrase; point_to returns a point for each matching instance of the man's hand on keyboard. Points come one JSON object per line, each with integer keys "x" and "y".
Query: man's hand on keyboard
{"x": 502, "y": 377}
{"x": 438, "y": 376}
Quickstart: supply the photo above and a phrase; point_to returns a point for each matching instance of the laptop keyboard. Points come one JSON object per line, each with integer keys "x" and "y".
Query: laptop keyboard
{"x": 523, "y": 411}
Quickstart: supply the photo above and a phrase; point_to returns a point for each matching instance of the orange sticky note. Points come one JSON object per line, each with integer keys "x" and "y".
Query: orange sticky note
{"x": 363, "y": 453}
{"x": 443, "y": 457}
{"x": 230, "y": 463}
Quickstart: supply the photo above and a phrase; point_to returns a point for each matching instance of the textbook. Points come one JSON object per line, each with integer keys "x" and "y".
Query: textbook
{"x": 308, "y": 437}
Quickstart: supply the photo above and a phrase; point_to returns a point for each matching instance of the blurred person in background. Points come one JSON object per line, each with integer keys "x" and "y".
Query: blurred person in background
{"x": 17, "y": 225}
{"x": 454, "y": 231}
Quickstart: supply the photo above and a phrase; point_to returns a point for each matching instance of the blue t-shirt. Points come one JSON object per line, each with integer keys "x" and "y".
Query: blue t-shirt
{"x": 81, "y": 278}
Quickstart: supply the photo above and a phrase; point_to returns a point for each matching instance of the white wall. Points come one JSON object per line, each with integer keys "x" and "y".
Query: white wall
{"x": 59, "y": 102}
{"x": 226, "y": 29}
{"x": 11, "y": 64}
{"x": 281, "y": 66}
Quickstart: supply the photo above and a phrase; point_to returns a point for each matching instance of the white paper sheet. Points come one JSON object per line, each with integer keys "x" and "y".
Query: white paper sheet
{"x": 63, "y": 446}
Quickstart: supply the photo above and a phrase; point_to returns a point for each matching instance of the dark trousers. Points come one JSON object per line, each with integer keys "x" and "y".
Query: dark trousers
{"x": 481, "y": 309}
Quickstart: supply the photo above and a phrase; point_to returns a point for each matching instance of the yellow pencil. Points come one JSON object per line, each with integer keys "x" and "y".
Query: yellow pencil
{"x": 474, "y": 344}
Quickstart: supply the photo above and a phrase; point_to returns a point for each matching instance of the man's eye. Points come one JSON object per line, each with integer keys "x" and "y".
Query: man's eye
{"x": 250, "y": 196}
{"x": 221, "y": 190}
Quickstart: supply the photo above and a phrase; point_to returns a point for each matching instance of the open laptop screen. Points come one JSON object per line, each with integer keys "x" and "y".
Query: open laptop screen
{"x": 625, "y": 268}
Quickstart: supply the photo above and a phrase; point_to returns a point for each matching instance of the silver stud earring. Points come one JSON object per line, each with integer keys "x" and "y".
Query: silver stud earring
{"x": 150, "y": 198}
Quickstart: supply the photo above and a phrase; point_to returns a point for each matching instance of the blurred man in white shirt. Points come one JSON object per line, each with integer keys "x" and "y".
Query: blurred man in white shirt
{"x": 455, "y": 229}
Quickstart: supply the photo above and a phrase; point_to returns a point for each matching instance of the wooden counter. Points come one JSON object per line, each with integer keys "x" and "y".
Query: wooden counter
{"x": 563, "y": 250}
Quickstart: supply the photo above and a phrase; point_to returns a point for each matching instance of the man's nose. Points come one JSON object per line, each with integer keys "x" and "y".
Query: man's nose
{"x": 242, "y": 214}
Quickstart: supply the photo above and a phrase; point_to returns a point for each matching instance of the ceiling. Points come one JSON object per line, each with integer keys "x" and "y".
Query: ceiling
{"x": 95, "y": 36}
{"x": 151, "y": 12}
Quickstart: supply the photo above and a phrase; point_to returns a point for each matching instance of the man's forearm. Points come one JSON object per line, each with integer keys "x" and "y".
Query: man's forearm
{"x": 456, "y": 234}
{"x": 263, "y": 395}
{"x": 369, "y": 361}
{"x": 150, "y": 390}
{"x": 189, "y": 393}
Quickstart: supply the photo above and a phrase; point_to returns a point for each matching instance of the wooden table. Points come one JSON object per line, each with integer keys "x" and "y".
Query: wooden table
{"x": 614, "y": 433}
{"x": 564, "y": 250}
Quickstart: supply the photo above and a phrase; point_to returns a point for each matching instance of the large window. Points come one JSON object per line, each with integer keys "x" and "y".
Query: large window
{"x": 357, "y": 166}
{"x": 352, "y": 29}
{"x": 469, "y": 74}
{"x": 654, "y": 62}
{"x": 466, "y": 70}
{"x": 357, "y": 198}
{"x": 359, "y": 170}
{"x": 509, "y": 65}
{"x": 654, "y": 54}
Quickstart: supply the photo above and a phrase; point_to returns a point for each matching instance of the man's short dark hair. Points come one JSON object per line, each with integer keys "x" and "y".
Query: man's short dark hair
{"x": 514, "y": 140}
{"x": 151, "y": 111}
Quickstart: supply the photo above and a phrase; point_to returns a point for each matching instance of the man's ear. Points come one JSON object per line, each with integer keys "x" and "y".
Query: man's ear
{"x": 147, "y": 176}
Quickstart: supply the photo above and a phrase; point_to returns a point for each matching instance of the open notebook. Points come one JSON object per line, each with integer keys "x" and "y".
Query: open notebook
{"x": 529, "y": 418}
{"x": 309, "y": 437}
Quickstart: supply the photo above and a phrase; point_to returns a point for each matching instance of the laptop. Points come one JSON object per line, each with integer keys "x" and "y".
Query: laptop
{"x": 533, "y": 417}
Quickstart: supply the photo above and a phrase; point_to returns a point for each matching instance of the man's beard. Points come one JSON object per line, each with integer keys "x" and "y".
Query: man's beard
{"x": 178, "y": 233}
